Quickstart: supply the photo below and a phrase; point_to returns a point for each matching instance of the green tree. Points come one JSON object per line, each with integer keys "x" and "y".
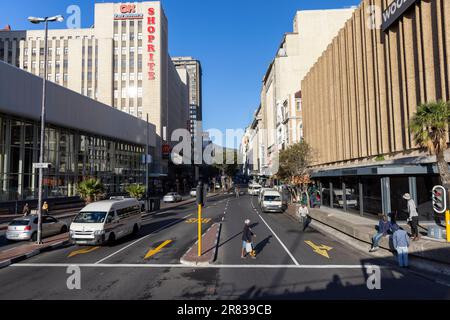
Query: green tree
{"x": 294, "y": 166}
{"x": 429, "y": 127}
{"x": 90, "y": 189}
{"x": 136, "y": 190}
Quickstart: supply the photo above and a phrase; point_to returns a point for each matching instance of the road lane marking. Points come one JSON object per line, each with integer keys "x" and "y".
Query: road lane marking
{"x": 322, "y": 250}
{"x": 212, "y": 266}
{"x": 154, "y": 251}
{"x": 81, "y": 251}
{"x": 276, "y": 236}
{"x": 140, "y": 239}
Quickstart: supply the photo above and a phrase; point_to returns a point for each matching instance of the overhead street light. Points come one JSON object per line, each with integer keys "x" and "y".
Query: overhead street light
{"x": 46, "y": 20}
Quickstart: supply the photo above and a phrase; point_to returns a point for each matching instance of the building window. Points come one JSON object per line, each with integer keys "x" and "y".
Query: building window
{"x": 139, "y": 50}
{"x": 124, "y": 37}
{"x": 139, "y": 35}
{"x": 131, "y": 49}
{"x": 33, "y": 51}
{"x": 65, "y": 77}
{"x": 116, "y": 76}
{"x": 116, "y": 51}
{"x": 116, "y": 37}
{"x": 131, "y": 76}
{"x": 124, "y": 77}
{"x": 124, "y": 92}
{"x": 116, "y": 94}
{"x": 139, "y": 92}
{"x": 66, "y": 51}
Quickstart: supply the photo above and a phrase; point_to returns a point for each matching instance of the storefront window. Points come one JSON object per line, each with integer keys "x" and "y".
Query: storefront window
{"x": 352, "y": 194}
{"x": 399, "y": 186}
{"x": 372, "y": 195}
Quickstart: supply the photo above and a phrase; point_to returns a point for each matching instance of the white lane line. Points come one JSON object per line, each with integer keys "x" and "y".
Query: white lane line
{"x": 138, "y": 240}
{"x": 279, "y": 240}
{"x": 213, "y": 266}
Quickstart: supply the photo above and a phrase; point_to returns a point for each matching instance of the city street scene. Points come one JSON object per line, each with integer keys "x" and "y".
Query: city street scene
{"x": 244, "y": 151}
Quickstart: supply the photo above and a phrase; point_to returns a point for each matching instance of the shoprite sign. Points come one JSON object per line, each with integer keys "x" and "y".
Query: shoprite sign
{"x": 394, "y": 11}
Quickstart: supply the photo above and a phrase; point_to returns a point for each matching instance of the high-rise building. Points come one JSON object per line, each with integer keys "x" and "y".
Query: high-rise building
{"x": 122, "y": 61}
{"x": 194, "y": 69}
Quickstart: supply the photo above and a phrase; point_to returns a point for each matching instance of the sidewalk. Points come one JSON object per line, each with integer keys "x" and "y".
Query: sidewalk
{"x": 28, "y": 249}
{"x": 363, "y": 230}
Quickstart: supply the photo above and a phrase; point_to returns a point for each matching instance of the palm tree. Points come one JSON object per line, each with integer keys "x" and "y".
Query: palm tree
{"x": 429, "y": 126}
{"x": 136, "y": 191}
{"x": 90, "y": 189}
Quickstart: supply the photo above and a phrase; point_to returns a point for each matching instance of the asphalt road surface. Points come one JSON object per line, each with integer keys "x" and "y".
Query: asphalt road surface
{"x": 290, "y": 264}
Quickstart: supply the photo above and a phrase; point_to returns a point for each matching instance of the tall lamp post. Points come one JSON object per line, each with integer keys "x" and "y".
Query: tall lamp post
{"x": 45, "y": 20}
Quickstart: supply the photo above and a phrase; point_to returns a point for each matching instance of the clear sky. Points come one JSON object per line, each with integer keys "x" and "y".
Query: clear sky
{"x": 235, "y": 40}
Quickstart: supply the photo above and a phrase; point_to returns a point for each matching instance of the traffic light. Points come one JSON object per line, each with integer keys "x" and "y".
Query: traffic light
{"x": 439, "y": 199}
{"x": 199, "y": 194}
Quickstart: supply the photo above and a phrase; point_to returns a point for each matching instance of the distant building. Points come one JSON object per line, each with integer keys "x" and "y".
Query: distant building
{"x": 194, "y": 69}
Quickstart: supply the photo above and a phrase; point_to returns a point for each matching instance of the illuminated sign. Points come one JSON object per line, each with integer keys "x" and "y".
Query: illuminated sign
{"x": 394, "y": 11}
{"x": 151, "y": 29}
{"x": 128, "y": 12}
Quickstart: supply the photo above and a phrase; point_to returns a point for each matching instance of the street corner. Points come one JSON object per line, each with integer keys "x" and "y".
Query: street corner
{"x": 208, "y": 248}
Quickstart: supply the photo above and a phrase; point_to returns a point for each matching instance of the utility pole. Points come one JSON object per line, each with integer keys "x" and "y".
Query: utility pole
{"x": 46, "y": 20}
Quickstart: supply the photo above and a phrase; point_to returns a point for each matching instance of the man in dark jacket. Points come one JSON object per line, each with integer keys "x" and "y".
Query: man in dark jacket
{"x": 383, "y": 227}
{"x": 247, "y": 236}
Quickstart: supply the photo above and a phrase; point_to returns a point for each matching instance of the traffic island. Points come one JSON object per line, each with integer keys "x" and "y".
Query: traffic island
{"x": 210, "y": 241}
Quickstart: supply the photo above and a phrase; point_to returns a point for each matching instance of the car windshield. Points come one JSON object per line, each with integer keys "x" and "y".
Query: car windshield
{"x": 272, "y": 198}
{"x": 19, "y": 223}
{"x": 90, "y": 217}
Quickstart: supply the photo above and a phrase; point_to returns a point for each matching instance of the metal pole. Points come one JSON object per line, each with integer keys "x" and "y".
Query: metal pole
{"x": 41, "y": 151}
{"x": 199, "y": 230}
{"x": 146, "y": 164}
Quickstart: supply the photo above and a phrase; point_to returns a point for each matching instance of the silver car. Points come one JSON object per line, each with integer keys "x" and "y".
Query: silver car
{"x": 172, "y": 197}
{"x": 25, "y": 228}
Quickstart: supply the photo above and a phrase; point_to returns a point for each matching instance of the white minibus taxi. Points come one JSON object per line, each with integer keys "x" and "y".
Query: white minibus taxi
{"x": 106, "y": 221}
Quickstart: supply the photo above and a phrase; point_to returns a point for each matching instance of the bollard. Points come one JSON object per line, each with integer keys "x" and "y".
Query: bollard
{"x": 447, "y": 224}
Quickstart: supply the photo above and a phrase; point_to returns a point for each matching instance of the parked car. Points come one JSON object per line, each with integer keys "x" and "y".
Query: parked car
{"x": 172, "y": 197}
{"x": 26, "y": 228}
{"x": 338, "y": 199}
{"x": 272, "y": 201}
{"x": 193, "y": 192}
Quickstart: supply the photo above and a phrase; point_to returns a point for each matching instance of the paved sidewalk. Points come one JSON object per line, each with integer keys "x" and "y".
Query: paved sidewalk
{"x": 363, "y": 229}
{"x": 30, "y": 249}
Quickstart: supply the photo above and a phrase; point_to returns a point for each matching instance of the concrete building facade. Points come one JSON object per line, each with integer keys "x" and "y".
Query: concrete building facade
{"x": 359, "y": 98}
{"x": 280, "y": 112}
{"x": 122, "y": 61}
{"x": 81, "y": 140}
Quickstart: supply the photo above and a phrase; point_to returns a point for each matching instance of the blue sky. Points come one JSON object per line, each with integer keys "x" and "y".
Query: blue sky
{"x": 235, "y": 40}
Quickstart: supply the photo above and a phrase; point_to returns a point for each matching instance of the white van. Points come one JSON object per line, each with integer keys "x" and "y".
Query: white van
{"x": 271, "y": 201}
{"x": 106, "y": 221}
{"x": 253, "y": 189}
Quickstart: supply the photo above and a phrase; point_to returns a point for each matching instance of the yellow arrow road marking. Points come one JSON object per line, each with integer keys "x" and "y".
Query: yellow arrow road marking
{"x": 82, "y": 251}
{"x": 152, "y": 252}
{"x": 322, "y": 250}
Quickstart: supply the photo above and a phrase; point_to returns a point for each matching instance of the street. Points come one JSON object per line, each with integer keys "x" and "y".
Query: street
{"x": 290, "y": 263}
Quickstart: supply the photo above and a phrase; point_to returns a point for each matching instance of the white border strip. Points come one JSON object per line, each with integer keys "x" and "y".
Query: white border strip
{"x": 218, "y": 266}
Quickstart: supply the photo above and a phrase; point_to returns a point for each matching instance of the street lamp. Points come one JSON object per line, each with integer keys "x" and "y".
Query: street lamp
{"x": 46, "y": 20}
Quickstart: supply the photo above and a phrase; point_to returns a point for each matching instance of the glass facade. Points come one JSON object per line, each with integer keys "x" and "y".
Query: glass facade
{"x": 371, "y": 196}
{"x": 73, "y": 155}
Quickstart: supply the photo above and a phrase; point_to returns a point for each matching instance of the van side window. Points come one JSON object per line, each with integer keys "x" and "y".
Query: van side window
{"x": 110, "y": 217}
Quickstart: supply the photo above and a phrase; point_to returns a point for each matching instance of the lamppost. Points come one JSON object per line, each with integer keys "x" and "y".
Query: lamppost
{"x": 46, "y": 20}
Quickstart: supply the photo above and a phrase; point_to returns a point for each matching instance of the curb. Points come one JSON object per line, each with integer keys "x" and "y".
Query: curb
{"x": 213, "y": 258}
{"x": 8, "y": 262}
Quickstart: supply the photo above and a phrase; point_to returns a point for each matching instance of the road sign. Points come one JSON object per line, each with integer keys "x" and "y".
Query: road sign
{"x": 41, "y": 165}
{"x": 322, "y": 250}
{"x": 439, "y": 199}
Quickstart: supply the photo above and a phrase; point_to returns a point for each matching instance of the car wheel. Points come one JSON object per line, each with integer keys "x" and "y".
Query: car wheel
{"x": 111, "y": 238}
{"x": 63, "y": 229}
{"x": 34, "y": 237}
{"x": 135, "y": 229}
